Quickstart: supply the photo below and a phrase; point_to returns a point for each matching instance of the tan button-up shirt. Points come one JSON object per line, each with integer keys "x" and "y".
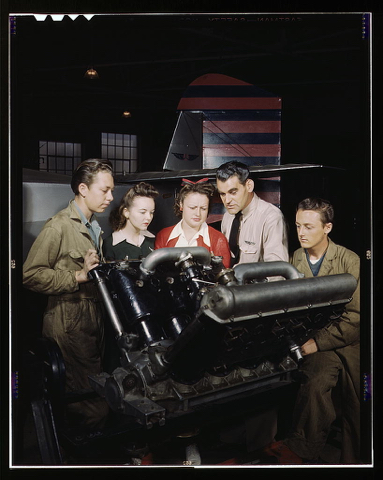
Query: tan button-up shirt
{"x": 262, "y": 236}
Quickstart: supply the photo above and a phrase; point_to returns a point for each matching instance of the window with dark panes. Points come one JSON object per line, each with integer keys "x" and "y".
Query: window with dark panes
{"x": 121, "y": 150}
{"x": 59, "y": 157}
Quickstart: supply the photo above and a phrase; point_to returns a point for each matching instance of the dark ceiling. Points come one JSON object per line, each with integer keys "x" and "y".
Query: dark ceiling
{"x": 317, "y": 63}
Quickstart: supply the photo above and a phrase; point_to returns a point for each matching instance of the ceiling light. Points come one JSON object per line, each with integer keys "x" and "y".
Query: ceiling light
{"x": 91, "y": 74}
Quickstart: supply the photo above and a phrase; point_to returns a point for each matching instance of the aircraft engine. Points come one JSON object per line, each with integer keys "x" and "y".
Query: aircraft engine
{"x": 190, "y": 332}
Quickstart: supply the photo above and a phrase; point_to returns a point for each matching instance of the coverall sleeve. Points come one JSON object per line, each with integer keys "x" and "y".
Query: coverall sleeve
{"x": 345, "y": 331}
{"x": 40, "y": 272}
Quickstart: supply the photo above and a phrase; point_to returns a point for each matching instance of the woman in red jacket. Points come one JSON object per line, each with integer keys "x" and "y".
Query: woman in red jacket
{"x": 193, "y": 205}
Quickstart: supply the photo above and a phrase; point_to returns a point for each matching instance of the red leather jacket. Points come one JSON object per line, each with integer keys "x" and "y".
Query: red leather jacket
{"x": 218, "y": 243}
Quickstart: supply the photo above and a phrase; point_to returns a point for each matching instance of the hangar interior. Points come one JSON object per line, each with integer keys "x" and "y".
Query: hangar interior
{"x": 318, "y": 65}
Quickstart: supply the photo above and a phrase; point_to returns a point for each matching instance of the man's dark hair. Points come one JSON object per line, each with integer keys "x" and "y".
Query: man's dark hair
{"x": 323, "y": 207}
{"x": 87, "y": 170}
{"x": 229, "y": 169}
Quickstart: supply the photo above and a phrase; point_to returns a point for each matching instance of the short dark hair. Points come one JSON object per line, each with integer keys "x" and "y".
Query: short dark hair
{"x": 229, "y": 169}
{"x": 203, "y": 188}
{"x": 116, "y": 218}
{"x": 87, "y": 170}
{"x": 323, "y": 207}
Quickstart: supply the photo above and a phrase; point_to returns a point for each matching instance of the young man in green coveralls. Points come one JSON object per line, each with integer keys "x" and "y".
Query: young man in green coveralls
{"x": 333, "y": 354}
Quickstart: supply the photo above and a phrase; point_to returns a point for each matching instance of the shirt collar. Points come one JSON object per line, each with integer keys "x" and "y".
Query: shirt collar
{"x": 84, "y": 220}
{"x": 146, "y": 233}
{"x": 118, "y": 237}
{"x": 203, "y": 231}
{"x": 92, "y": 224}
{"x": 251, "y": 207}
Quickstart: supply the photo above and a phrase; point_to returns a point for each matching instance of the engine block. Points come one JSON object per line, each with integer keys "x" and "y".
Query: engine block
{"x": 190, "y": 332}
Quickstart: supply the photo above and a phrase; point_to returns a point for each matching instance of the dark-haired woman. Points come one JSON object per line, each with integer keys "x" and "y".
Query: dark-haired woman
{"x": 130, "y": 221}
{"x": 193, "y": 206}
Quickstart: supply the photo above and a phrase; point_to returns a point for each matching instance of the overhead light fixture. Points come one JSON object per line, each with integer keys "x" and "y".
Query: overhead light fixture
{"x": 91, "y": 74}
{"x": 126, "y": 114}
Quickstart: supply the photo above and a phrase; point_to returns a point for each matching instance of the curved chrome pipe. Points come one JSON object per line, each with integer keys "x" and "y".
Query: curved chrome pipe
{"x": 250, "y": 271}
{"x": 174, "y": 254}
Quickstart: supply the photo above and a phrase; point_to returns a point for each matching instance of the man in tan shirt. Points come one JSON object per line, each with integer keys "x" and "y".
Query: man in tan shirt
{"x": 262, "y": 233}
{"x": 261, "y": 237}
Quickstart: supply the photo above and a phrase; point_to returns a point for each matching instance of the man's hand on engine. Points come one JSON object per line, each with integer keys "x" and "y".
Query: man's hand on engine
{"x": 309, "y": 347}
{"x": 91, "y": 260}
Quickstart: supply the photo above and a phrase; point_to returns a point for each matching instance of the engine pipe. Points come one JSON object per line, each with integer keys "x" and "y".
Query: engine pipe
{"x": 245, "y": 272}
{"x": 139, "y": 304}
{"x": 237, "y": 303}
{"x": 150, "y": 263}
{"x": 109, "y": 305}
